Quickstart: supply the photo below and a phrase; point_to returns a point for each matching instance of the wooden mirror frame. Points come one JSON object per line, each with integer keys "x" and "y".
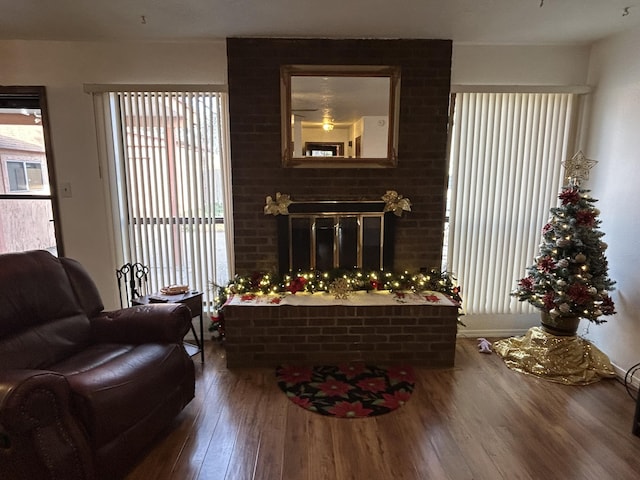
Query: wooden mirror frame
{"x": 364, "y": 71}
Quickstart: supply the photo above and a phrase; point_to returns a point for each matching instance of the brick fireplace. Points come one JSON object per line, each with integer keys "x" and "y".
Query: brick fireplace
{"x": 255, "y": 336}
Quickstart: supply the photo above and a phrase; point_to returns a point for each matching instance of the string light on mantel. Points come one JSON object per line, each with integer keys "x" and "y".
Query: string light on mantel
{"x": 577, "y": 168}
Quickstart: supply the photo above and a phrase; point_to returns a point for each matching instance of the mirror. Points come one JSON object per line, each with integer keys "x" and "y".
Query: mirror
{"x": 340, "y": 116}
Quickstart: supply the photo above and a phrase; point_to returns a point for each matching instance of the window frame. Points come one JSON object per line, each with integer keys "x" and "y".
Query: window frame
{"x": 35, "y": 97}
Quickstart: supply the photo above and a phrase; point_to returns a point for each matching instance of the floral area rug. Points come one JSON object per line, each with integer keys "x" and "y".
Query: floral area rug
{"x": 347, "y": 391}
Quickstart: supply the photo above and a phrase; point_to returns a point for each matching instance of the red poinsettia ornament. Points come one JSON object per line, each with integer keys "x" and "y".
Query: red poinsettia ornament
{"x": 297, "y": 284}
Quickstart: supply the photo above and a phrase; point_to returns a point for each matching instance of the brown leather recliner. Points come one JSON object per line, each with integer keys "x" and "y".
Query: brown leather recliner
{"x": 83, "y": 392}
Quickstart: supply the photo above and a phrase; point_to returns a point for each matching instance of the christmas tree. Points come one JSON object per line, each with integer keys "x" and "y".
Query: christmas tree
{"x": 570, "y": 275}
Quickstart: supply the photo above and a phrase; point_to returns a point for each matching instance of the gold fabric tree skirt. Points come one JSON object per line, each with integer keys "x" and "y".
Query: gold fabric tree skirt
{"x": 570, "y": 360}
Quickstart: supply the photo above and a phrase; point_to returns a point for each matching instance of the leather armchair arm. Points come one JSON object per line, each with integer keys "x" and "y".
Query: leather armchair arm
{"x": 153, "y": 323}
{"x": 39, "y": 437}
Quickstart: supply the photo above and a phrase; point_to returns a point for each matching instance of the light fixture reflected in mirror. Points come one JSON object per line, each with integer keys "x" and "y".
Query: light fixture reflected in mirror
{"x": 327, "y": 124}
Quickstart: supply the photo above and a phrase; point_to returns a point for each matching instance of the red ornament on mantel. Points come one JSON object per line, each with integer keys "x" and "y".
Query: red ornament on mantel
{"x": 297, "y": 284}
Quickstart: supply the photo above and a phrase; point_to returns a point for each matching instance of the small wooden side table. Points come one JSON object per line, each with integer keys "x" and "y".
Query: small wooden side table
{"x": 193, "y": 300}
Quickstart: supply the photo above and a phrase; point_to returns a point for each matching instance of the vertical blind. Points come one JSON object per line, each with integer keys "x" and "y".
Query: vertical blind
{"x": 505, "y": 173}
{"x": 171, "y": 179}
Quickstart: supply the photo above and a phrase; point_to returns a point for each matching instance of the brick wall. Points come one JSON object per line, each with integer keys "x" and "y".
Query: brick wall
{"x": 254, "y": 106}
{"x": 421, "y": 335}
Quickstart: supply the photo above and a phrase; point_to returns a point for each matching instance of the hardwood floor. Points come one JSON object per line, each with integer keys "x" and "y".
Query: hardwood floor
{"x": 478, "y": 420}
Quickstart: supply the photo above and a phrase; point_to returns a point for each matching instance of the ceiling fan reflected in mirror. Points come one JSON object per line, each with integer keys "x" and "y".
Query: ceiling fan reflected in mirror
{"x": 296, "y": 111}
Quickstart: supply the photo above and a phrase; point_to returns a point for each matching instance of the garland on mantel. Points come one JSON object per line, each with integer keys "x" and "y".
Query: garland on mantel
{"x": 316, "y": 281}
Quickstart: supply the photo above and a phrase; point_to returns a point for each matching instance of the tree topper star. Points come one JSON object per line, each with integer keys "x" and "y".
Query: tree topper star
{"x": 577, "y": 168}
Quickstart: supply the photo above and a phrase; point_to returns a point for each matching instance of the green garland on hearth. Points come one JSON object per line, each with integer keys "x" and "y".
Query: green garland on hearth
{"x": 317, "y": 281}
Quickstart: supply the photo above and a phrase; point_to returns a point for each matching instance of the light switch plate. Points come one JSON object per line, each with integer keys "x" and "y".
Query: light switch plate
{"x": 65, "y": 190}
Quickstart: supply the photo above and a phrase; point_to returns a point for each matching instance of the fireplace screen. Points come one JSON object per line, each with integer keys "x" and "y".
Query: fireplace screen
{"x": 329, "y": 235}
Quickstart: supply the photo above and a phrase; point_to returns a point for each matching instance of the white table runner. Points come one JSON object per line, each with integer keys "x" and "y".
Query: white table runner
{"x": 358, "y": 298}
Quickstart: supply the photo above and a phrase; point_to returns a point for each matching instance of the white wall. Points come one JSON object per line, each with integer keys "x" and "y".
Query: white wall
{"x": 375, "y": 137}
{"x": 64, "y": 67}
{"x": 519, "y": 65}
{"x": 514, "y": 65}
{"x": 614, "y": 142}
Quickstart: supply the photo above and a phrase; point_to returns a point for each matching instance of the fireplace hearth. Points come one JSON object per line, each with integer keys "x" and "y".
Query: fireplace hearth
{"x": 267, "y": 336}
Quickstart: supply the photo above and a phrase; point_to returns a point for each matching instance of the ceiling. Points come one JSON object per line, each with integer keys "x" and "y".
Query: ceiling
{"x": 468, "y": 21}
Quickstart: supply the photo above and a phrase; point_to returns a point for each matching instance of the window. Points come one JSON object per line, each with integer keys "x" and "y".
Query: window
{"x": 29, "y": 217}
{"x": 169, "y": 181}
{"x": 24, "y": 176}
{"x": 505, "y": 174}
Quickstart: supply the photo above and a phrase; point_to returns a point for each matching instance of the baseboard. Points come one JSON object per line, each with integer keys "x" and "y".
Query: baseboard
{"x": 502, "y": 333}
{"x": 634, "y": 383}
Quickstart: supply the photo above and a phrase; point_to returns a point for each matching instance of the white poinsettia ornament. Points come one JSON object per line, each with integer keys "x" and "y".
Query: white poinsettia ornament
{"x": 279, "y": 206}
{"x": 396, "y": 203}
